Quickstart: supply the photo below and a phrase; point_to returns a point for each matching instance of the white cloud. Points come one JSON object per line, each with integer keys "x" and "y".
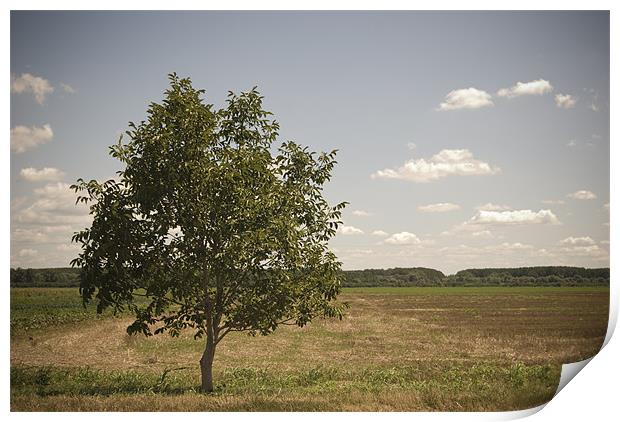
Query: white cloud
{"x": 594, "y": 102}
{"x": 46, "y": 222}
{"x": 403, "y": 238}
{"x": 565, "y": 101}
{"x": 515, "y": 217}
{"x": 439, "y": 207}
{"x": 492, "y": 207}
{"x": 358, "y": 253}
{"x": 447, "y": 162}
{"x": 27, "y": 253}
{"x": 349, "y": 230}
{"x": 24, "y": 138}
{"x": 28, "y": 83}
{"x": 537, "y": 87}
{"x": 411, "y": 146}
{"x": 54, "y": 189}
{"x": 591, "y": 251}
{"x": 68, "y": 88}
{"x": 469, "y": 98}
{"x": 29, "y": 235}
{"x": 553, "y": 201}
{"x": 379, "y": 233}
{"x": 69, "y": 247}
{"x": 44, "y": 234}
{"x": 574, "y": 143}
{"x": 511, "y": 247}
{"x": 45, "y": 174}
{"x": 54, "y": 204}
{"x": 578, "y": 241}
{"x": 582, "y": 194}
{"x": 361, "y": 213}
{"x": 482, "y": 234}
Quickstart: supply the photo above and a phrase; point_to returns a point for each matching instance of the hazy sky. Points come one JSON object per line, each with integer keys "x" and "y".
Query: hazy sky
{"x": 466, "y": 139}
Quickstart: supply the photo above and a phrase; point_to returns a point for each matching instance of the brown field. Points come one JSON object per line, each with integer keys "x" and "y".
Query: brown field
{"x": 401, "y": 349}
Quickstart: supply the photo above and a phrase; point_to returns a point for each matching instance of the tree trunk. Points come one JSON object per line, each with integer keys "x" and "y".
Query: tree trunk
{"x": 206, "y": 366}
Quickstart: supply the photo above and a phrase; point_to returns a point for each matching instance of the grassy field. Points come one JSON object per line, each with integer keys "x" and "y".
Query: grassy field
{"x": 401, "y": 349}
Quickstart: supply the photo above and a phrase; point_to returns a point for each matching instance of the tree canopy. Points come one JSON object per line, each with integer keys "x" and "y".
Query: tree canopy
{"x": 218, "y": 230}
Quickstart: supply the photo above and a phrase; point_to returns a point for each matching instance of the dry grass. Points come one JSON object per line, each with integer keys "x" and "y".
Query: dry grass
{"x": 427, "y": 335}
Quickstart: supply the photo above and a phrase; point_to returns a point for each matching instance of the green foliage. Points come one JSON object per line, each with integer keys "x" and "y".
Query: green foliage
{"x": 38, "y": 308}
{"x": 478, "y": 378}
{"x": 45, "y": 277}
{"x": 562, "y": 272}
{"x": 44, "y": 307}
{"x": 394, "y": 277}
{"x": 218, "y": 232}
{"x": 531, "y": 276}
{"x": 528, "y": 276}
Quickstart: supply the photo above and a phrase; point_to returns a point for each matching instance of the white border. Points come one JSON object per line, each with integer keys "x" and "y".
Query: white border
{"x": 590, "y": 395}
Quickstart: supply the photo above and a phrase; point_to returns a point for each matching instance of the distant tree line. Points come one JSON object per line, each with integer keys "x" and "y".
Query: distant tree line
{"x": 45, "y": 277}
{"x": 530, "y": 276}
{"x": 393, "y": 277}
{"x": 478, "y": 277}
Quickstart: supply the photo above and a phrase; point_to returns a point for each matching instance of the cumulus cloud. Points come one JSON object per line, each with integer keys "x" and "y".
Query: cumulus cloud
{"x": 411, "y": 146}
{"x": 29, "y": 235}
{"x": 578, "y": 241}
{"x": 582, "y": 194}
{"x": 24, "y": 138}
{"x": 448, "y": 162}
{"x": 552, "y": 201}
{"x": 69, "y": 247}
{"x": 361, "y": 213}
{"x": 358, "y": 253}
{"x": 439, "y": 207}
{"x": 512, "y": 247}
{"x": 591, "y": 251}
{"x": 594, "y": 101}
{"x": 44, "y": 221}
{"x": 403, "y": 238}
{"x": 27, "y": 252}
{"x": 379, "y": 233}
{"x": 45, "y": 174}
{"x": 468, "y": 98}
{"x": 515, "y": 217}
{"x": 54, "y": 204}
{"x": 349, "y": 230}
{"x": 482, "y": 234}
{"x": 537, "y": 87}
{"x": 492, "y": 207}
{"x": 565, "y": 101}
{"x": 68, "y": 88}
{"x": 28, "y": 83}
{"x": 42, "y": 234}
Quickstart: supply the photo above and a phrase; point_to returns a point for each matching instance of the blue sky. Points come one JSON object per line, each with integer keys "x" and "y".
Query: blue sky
{"x": 467, "y": 139}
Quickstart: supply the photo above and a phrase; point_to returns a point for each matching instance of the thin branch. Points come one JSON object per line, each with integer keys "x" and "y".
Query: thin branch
{"x": 222, "y": 334}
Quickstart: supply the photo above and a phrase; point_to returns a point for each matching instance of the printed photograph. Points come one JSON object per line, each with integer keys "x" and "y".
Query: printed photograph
{"x": 306, "y": 211}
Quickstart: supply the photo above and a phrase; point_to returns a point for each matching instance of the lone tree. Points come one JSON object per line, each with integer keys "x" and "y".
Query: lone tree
{"x": 207, "y": 228}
